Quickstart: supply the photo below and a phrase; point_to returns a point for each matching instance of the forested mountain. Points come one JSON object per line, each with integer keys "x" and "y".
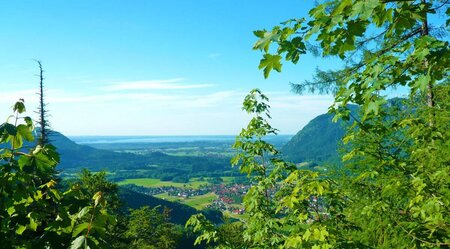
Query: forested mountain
{"x": 75, "y": 156}
{"x": 318, "y": 141}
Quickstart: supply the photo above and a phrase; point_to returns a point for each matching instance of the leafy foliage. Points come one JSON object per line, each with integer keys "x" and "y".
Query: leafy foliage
{"x": 279, "y": 202}
{"x": 393, "y": 189}
{"x": 148, "y": 228}
{"x": 34, "y": 213}
{"x": 227, "y": 236}
{"x": 397, "y": 153}
{"x": 382, "y": 45}
{"x": 394, "y": 160}
{"x": 39, "y": 212}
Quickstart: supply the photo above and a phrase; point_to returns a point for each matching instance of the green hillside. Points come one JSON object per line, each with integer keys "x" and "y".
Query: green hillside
{"x": 317, "y": 142}
{"x": 179, "y": 214}
{"x": 154, "y": 164}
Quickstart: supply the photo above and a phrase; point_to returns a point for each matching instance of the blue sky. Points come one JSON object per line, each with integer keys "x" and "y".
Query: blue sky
{"x": 149, "y": 67}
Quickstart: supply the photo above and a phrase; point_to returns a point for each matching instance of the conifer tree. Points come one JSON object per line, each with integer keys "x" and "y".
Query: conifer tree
{"x": 42, "y": 111}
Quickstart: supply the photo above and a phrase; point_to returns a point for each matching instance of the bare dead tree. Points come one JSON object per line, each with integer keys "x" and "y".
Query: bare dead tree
{"x": 42, "y": 111}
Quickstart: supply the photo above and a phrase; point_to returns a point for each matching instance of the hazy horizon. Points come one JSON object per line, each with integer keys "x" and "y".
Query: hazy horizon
{"x": 159, "y": 138}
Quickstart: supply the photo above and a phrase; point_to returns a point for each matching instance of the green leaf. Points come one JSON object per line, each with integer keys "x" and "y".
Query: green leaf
{"x": 7, "y": 128}
{"x": 97, "y": 198}
{"x": 17, "y": 141}
{"x": 265, "y": 39}
{"x": 11, "y": 210}
{"x": 372, "y": 107}
{"x": 83, "y": 212}
{"x": 55, "y": 193}
{"x": 356, "y": 28}
{"x": 23, "y": 162}
{"x": 80, "y": 228}
{"x": 364, "y": 8}
{"x": 422, "y": 82}
{"x": 50, "y": 151}
{"x": 312, "y": 31}
{"x": 25, "y": 132}
{"x": 293, "y": 48}
{"x": 323, "y": 234}
{"x": 306, "y": 235}
{"x": 42, "y": 159}
{"x": 78, "y": 242}
{"x": 19, "y": 106}
{"x": 28, "y": 121}
{"x": 269, "y": 62}
{"x": 33, "y": 223}
{"x": 293, "y": 242}
{"x": 20, "y": 229}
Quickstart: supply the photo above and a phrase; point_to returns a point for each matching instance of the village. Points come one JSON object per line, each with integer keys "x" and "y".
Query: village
{"x": 228, "y": 196}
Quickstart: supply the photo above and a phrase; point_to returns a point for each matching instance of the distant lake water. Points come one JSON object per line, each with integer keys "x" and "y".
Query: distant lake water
{"x": 160, "y": 139}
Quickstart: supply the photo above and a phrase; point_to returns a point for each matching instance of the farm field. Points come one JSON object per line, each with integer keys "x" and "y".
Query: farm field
{"x": 198, "y": 202}
{"x": 227, "y": 179}
{"x": 154, "y": 182}
{"x": 236, "y": 216}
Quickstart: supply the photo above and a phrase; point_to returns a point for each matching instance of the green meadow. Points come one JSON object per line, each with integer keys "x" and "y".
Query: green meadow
{"x": 198, "y": 202}
{"x": 154, "y": 182}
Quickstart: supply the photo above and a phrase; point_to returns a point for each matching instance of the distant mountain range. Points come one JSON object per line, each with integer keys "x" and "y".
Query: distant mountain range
{"x": 78, "y": 156}
{"x": 317, "y": 142}
{"x": 75, "y": 157}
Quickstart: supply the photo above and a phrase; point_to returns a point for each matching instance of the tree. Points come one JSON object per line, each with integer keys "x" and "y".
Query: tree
{"x": 278, "y": 204}
{"x": 91, "y": 183}
{"x": 149, "y": 228}
{"x": 44, "y": 125}
{"x": 34, "y": 212}
{"x": 393, "y": 189}
{"x": 397, "y": 188}
{"x": 383, "y": 44}
{"x": 229, "y": 235}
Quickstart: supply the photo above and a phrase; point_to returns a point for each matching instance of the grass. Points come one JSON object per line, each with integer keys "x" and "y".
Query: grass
{"x": 154, "y": 182}
{"x": 241, "y": 217}
{"x": 198, "y": 202}
{"x": 227, "y": 179}
{"x": 201, "y": 201}
{"x": 168, "y": 197}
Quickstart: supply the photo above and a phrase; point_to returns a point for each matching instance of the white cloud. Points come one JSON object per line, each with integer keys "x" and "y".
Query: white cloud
{"x": 169, "y": 100}
{"x": 172, "y": 112}
{"x": 10, "y": 97}
{"x": 168, "y": 84}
